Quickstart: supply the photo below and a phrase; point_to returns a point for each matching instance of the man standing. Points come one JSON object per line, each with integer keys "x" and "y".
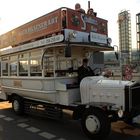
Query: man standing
{"x": 79, "y": 9}
{"x": 84, "y": 70}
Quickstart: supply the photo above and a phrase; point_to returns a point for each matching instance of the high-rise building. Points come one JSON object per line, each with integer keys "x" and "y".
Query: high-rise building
{"x": 125, "y": 45}
{"x": 138, "y": 33}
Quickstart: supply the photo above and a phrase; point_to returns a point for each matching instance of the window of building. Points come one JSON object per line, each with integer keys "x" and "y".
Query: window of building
{"x": 138, "y": 27}
{"x": 0, "y": 68}
{"x": 138, "y": 18}
{"x": 138, "y": 37}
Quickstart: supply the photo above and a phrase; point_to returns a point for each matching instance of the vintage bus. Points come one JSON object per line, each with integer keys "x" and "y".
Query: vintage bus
{"x": 39, "y": 69}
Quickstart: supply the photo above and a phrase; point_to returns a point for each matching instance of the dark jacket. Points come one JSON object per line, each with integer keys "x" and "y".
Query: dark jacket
{"x": 84, "y": 72}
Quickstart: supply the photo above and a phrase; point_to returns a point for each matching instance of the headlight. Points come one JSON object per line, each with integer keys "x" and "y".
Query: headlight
{"x": 120, "y": 113}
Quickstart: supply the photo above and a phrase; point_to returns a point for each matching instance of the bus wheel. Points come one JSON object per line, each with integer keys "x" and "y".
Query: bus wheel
{"x": 18, "y": 105}
{"x": 96, "y": 124}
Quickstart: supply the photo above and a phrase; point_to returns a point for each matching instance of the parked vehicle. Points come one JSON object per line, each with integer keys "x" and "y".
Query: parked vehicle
{"x": 39, "y": 72}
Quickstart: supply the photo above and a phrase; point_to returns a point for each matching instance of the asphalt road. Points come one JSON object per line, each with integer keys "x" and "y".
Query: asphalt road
{"x": 29, "y": 127}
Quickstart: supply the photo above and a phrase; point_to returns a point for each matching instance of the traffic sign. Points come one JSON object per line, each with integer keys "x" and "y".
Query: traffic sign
{"x": 128, "y": 73}
{"x": 128, "y": 77}
{"x": 128, "y": 69}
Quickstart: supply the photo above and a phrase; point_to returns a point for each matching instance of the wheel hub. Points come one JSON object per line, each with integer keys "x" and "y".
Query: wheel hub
{"x": 16, "y": 105}
{"x": 92, "y": 124}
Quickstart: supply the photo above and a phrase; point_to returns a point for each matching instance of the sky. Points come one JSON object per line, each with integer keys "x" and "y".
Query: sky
{"x": 14, "y": 13}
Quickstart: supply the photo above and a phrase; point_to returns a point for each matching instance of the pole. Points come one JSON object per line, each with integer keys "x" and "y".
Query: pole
{"x": 88, "y": 4}
{"x": 120, "y": 62}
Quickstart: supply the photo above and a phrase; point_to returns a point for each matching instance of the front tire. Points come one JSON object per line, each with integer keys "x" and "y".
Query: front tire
{"x": 18, "y": 105}
{"x": 96, "y": 124}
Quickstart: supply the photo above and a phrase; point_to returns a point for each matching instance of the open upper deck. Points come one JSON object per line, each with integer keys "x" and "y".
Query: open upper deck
{"x": 62, "y": 25}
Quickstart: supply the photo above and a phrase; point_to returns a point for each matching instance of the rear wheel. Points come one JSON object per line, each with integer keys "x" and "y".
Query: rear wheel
{"x": 96, "y": 124}
{"x": 18, "y": 105}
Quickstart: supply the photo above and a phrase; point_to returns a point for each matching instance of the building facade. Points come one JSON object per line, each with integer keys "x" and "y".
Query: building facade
{"x": 125, "y": 44}
{"x": 138, "y": 34}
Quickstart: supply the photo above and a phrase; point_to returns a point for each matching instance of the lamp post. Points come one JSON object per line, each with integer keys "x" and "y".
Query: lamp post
{"x": 119, "y": 58}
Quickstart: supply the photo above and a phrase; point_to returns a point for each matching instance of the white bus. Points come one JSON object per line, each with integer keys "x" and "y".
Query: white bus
{"x": 39, "y": 71}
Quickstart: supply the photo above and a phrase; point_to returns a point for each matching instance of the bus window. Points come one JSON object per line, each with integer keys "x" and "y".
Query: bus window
{"x": 35, "y": 63}
{"x": 23, "y": 68}
{"x": 13, "y": 65}
{"x": 35, "y": 67}
{"x": 48, "y": 66}
{"x": 65, "y": 67}
{"x": 23, "y": 64}
{"x": 4, "y": 67}
{"x": 13, "y": 68}
{"x": 48, "y": 62}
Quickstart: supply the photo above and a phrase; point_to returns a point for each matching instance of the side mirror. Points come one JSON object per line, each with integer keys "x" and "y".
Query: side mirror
{"x": 68, "y": 50}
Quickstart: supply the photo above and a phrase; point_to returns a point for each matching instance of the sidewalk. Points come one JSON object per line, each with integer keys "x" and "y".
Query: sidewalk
{"x": 5, "y": 104}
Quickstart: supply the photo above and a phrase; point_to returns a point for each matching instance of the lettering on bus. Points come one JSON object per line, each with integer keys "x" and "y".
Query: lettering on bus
{"x": 83, "y": 22}
{"x": 17, "y": 83}
{"x": 40, "y": 26}
{"x": 99, "y": 38}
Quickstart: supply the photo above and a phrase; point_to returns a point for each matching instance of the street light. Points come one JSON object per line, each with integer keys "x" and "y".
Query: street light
{"x": 119, "y": 58}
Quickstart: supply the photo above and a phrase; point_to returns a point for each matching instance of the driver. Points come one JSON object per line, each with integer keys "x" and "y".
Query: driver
{"x": 84, "y": 70}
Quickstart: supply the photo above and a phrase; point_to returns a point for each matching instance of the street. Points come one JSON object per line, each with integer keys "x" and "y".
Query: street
{"x": 27, "y": 127}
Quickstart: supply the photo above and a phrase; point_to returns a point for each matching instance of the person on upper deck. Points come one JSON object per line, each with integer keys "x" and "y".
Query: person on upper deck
{"x": 91, "y": 12}
{"x": 63, "y": 17}
{"x": 84, "y": 70}
{"x": 79, "y": 9}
